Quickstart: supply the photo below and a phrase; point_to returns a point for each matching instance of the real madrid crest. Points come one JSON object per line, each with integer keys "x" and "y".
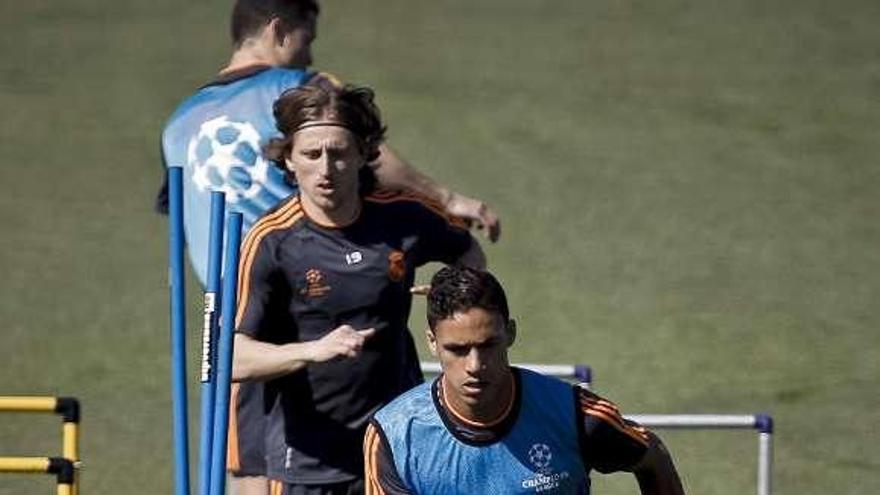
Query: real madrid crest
{"x": 315, "y": 284}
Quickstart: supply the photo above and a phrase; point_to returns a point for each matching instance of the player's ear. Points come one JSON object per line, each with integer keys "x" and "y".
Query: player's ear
{"x": 511, "y": 331}
{"x": 288, "y": 163}
{"x": 276, "y": 29}
{"x": 432, "y": 341}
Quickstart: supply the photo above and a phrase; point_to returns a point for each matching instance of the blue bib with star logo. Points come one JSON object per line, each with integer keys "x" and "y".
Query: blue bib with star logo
{"x": 217, "y": 136}
{"x": 539, "y": 454}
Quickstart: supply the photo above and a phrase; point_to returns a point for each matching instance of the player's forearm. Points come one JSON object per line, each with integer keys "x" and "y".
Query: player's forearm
{"x": 656, "y": 473}
{"x": 393, "y": 172}
{"x": 255, "y": 360}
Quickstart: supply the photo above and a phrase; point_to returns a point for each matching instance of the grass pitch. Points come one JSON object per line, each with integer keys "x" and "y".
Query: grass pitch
{"x": 689, "y": 195}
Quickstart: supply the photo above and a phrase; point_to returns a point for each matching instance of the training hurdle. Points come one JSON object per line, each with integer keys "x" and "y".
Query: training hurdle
{"x": 763, "y": 423}
{"x": 578, "y": 373}
{"x": 63, "y": 467}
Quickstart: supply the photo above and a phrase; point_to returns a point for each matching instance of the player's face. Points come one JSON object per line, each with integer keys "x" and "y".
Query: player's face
{"x": 296, "y": 47}
{"x": 472, "y": 349}
{"x": 326, "y": 160}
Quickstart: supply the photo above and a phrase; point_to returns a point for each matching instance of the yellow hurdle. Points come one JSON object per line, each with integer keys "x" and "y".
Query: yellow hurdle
{"x": 69, "y": 410}
{"x": 28, "y": 404}
{"x": 24, "y": 464}
{"x": 62, "y": 468}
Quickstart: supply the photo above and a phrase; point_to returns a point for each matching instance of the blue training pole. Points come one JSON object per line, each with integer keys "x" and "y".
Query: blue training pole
{"x": 224, "y": 355}
{"x": 178, "y": 331}
{"x": 209, "y": 339}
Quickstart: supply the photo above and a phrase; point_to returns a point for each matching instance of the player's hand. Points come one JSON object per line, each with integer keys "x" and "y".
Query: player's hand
{"x": 344, "y": 341}
{"x": 475, "y": 211}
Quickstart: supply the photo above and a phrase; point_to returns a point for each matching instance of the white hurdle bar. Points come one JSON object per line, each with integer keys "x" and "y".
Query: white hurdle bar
{"x": 761, "y": 422}
{"x": 579, "y": 373}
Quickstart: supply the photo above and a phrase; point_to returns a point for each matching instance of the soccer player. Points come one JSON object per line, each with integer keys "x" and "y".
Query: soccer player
{"x": 217, "y": 134}
{"x": 325, "y": 284}
{"x": 486, "y": 427}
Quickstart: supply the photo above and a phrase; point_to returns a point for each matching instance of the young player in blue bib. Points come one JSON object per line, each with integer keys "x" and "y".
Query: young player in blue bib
{"x": 486, "y": 427}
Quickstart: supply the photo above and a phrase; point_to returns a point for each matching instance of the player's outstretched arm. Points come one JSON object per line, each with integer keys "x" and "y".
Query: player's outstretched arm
{"x": 656, "y": 473}
{"x": 256, "y": 360}
{"x": 393, "y": 172}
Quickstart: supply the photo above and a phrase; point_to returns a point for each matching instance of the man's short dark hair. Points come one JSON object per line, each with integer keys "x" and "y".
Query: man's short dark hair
{"x": 458, "y": 289}
{"x": 249, "y": 16}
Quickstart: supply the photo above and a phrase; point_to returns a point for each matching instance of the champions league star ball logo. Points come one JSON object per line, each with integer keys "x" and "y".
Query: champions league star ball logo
{"x": 545, "y": 479}
{"x": 225, "y": 156}
{"x": 540, "y": 456}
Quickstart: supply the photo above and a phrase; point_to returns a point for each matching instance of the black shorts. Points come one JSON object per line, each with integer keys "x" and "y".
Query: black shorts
{"x": 246, "y": 453}
{"x": 355, "y": 487}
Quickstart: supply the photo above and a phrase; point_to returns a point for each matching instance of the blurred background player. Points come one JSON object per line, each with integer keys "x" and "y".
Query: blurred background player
{"x": 325, "y": 284}
{"x": 217, "y": 134}
{"x": 485, "y": 427}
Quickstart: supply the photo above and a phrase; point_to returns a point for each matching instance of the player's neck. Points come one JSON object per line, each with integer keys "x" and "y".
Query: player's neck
{"x": 258, "y": 50}
{"x": 243, "y": 58}
{"x": 489, "y": 411}
{"x": 336, "y": 218}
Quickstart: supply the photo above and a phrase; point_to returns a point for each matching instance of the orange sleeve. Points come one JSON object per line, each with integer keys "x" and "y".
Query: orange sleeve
{"x": 380, "y": 473}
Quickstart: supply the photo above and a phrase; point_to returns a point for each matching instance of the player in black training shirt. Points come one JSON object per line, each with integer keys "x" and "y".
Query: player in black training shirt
{"x": 324, "y": 288}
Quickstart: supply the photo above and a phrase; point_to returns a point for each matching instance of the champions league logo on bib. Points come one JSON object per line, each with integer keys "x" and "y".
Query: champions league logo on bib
{"x": 540, "y": 455}
{"x": 225, "y": 156}
{"x": 545, "y": 479}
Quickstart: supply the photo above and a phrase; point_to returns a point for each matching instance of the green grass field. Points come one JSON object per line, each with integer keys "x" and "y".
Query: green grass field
{"x": 689, "y": 193}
